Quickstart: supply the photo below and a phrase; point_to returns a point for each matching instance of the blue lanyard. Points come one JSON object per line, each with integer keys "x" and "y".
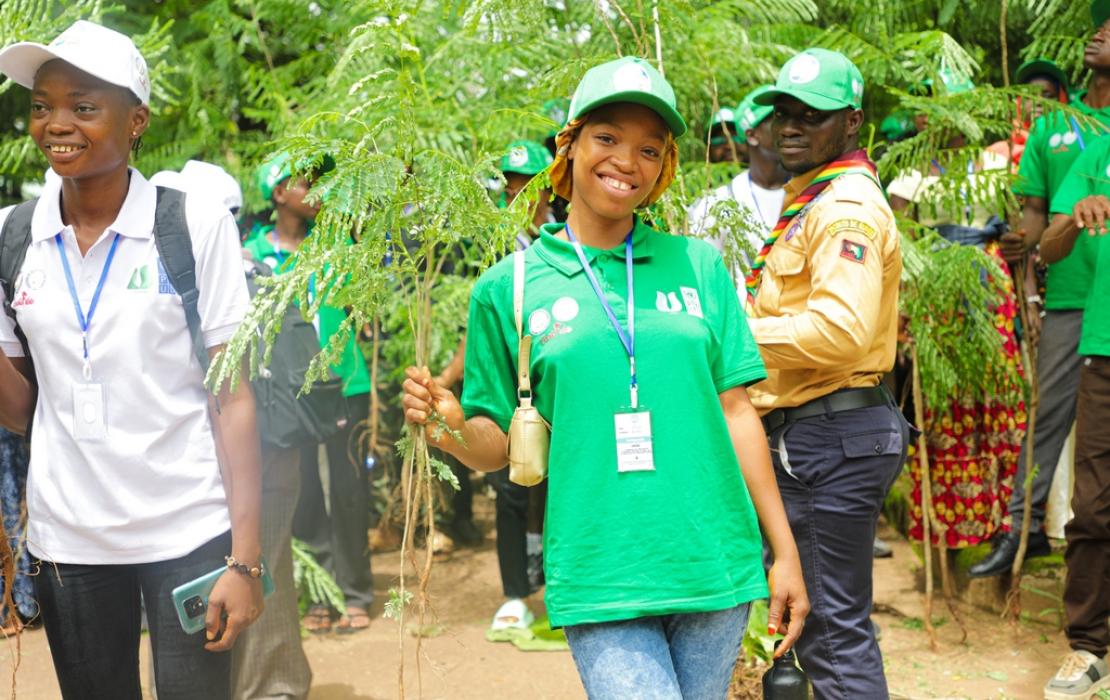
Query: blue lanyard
{"x": 627, "y": 338}
{"x": 85, "y": 320}
{"x": 280, "y": 254}
{"x": 1078, "y": 135}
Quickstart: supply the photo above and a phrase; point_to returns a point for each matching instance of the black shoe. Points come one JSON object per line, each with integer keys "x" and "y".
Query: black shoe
{"x": 881, "y": 550}
{"x": 1001, "y": 558}
{"x": 464, "y": 532}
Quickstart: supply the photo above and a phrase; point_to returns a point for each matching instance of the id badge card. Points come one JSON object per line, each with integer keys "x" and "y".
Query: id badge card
{"x": 634, "y": 450}
{"x": 88, "y": 412}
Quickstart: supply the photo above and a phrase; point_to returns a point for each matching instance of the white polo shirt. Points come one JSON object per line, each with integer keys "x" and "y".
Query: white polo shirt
{"x": 151, "y": 490}
{"x": 761, "y": 207}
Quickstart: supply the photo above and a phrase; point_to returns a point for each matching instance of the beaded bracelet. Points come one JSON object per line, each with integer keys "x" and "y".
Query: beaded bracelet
{"x": 251, "y": 571}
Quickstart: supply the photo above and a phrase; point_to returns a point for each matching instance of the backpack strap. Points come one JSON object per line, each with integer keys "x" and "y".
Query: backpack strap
{"x": 15, "y": 238}
{"x": 175, "y": 248}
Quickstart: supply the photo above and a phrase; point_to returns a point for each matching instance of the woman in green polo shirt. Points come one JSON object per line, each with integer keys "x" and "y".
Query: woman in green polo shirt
{"x": 652, "y": 557}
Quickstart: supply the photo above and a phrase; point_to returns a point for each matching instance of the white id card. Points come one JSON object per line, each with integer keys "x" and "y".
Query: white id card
{"x": 88, "y": 412}
{"x": 634, "y": 442}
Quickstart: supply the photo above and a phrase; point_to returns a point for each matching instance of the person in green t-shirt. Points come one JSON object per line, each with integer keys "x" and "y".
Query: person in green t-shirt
{"x": 1055, "y": 142}
{"x": 652, "y": 546}
{"x": 1083, "y": 203}
{"x": 337, "y": 535}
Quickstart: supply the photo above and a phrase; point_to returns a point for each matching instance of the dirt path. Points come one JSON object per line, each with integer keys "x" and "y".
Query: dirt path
{"x": 998, "y": 661}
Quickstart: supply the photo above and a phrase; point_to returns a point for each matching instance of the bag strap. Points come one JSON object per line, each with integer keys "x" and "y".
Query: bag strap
{"x": 175, "y": 248}
{"x": 524, "y": 342}
{"x": 14, "y": 241}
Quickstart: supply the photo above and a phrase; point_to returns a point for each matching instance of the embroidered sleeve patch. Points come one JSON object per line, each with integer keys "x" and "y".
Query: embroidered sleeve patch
{"x": 838, "y": 227}
{"x": 856, "y": 252}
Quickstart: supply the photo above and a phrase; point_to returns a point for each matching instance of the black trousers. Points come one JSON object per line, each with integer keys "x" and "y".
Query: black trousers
{"x": 339, "y": 538}
{"x": 512, "y": 531}
{"x": 834, "y": 471}
{"x": 92, "y": 614}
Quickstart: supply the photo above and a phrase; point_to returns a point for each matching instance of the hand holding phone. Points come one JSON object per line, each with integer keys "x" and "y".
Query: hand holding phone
{"x": 222, "y": 601}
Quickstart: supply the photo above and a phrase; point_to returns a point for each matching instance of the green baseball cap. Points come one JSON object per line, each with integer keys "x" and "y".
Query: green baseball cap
{"x": 752, "y": 114}
{"x": 898, "y": 125}
{"x": 825, "y": 80}
{"x": 1100, "y": 12}
{"x": 276, "y": 170}
{"x": 526, "y": 158}
{"x": 627, "y": 79}
{"x": 723, "y": 116}
{"x": 1042, "y": 66}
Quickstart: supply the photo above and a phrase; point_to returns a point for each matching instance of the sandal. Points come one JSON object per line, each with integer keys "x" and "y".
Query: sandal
{"x": 511, "y": 620}
{"x": 318, "y": 619}
{"x": 356, "y": 620}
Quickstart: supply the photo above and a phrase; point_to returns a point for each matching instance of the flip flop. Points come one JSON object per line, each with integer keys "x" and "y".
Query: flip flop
{"x": 511, "y": 620}
{"x": 347, "y": 624}
{"x": 541, "y": 637}
{"x": 317, "y": 619}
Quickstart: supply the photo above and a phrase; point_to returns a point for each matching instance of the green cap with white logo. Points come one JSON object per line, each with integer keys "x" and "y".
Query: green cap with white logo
{"x": 723, "y": 116}
{"x": 526, "y": 158}
{"x": 627, "y": 79}
{"x": 825, "y": 80}
{"x": 276, "y": 170}
{"x": 1100, "y": 12}
{"x": 751, "y": 114}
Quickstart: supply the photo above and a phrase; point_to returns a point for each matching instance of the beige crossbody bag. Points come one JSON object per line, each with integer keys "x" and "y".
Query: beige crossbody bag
{"x": 529, "y": 433}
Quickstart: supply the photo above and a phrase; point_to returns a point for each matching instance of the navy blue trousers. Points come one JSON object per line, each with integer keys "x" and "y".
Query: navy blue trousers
{"x": 834, "y": 471}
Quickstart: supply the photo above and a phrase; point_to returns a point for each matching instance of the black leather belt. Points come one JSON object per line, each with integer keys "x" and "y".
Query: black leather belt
{"x": 842, "y": 400}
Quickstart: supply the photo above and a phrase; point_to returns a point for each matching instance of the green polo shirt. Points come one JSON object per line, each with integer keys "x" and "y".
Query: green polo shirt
{"x": 681, "y": 538}
{"x": 1090, "y": 175}
{"x": 351, "y": 366}
{"x": 1053, "y": 145}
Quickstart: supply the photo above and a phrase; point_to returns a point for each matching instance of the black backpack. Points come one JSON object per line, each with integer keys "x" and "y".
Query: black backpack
{"x": 284, "y": 419}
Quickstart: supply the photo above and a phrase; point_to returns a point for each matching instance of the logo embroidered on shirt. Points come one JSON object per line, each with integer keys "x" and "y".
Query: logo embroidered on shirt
{"x": 692, "y": 301}
{"x": 165, "y": 286}
{"x": 668, "y": 303}
{"x": 556, "y": 330}
{"x": 856, "y": 252}
{"x": 24, "y": 299}
{"x": 140, "y": 278}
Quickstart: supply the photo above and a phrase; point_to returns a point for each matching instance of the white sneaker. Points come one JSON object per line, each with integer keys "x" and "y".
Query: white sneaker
{"x": 1081, "y": 676}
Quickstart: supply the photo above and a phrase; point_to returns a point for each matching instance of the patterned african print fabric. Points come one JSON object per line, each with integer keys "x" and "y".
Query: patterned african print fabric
{"x": 973, "y": 450}
{"x": 13, "y": 483}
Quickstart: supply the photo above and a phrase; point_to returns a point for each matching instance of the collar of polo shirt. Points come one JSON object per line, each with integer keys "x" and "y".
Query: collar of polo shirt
{"x": 560, "y": 253}
{"x": 135, "y": 218}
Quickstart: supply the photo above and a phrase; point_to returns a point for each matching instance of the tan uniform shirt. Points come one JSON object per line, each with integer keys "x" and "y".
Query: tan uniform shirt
{"x": 826, "y": 313}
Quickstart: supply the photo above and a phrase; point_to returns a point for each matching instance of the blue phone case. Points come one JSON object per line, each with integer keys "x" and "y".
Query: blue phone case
{"x": 191, "y": 599}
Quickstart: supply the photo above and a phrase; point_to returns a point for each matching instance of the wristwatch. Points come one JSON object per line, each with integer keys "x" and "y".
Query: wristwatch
{"x": 251, "y": 571}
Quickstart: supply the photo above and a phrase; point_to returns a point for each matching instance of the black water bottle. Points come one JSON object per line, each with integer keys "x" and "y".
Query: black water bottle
{"x": 784, "y": 680}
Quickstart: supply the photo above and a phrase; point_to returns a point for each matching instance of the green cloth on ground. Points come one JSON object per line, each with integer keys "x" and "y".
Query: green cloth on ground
{"x": 1054, "y": 144}
{"x": 681, "y": 538}
{"x": 351, "y": 366}
{"x": 1090, "y": 175}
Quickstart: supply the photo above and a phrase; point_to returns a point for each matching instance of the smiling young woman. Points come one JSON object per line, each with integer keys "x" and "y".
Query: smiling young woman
{"x": 138, "y": 484}
{"x": 640, "y": 360}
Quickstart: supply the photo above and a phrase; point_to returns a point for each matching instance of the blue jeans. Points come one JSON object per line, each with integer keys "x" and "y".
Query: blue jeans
{"x": 686, "y": 656}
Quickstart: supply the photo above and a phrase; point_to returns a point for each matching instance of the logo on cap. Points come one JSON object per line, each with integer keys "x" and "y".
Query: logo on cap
{"x": 140, "y": 68}
{"x": 748, "y": 121}
{"x": 631, "y": 77}
{"x": 518, "y": 157}
{"x": 804, "y": 69}
{"x": 857, "y": 88}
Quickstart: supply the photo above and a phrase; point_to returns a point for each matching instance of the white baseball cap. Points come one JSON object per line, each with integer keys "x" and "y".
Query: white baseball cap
{"x": 212, "y": 181}
{"x": 101, "y": 52}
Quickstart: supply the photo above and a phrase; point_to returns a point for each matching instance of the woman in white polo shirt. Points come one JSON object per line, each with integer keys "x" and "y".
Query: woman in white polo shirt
{"x": 126, "y": 496}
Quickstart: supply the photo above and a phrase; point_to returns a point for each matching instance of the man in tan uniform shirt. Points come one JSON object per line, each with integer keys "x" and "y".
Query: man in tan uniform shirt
{"x": 825, "y": 316}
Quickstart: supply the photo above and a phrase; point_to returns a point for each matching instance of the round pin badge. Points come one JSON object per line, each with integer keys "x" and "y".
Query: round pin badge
{"x": 804, "y": 69}
{"x": 1054, "y": 141}
{"x": 35, "y": 279}
{"x": 539, "y": 321}
{"x": 565, "y": 309}
{"x": 1069, "y": 138}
